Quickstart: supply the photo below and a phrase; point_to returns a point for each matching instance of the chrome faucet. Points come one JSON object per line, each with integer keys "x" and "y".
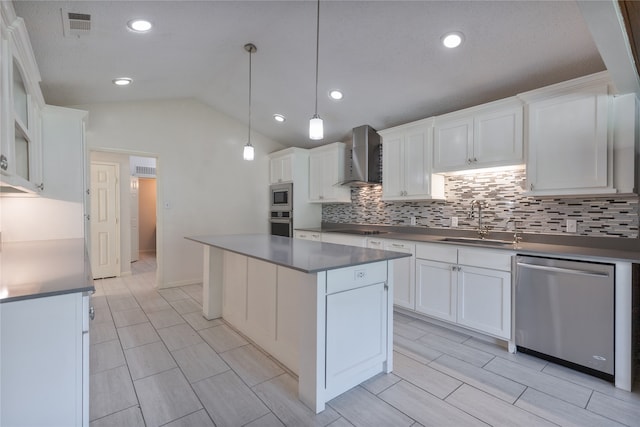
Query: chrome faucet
{"x": 479, "y": 204}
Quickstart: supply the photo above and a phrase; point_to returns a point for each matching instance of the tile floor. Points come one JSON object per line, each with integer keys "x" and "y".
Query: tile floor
{"x": 155, "y": 361}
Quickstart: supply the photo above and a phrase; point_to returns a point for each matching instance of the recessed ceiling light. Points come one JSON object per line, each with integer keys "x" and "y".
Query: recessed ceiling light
{"x": 122, "y": 81}
{"x": 139, "y": 25}
{"x": 335, "y": 94}
{"x": 279, "y": 118}
{"x": 452, "y": 40}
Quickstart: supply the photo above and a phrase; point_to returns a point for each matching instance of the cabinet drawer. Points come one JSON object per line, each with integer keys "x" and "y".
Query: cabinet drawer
{"x": 485, "y": 258}
{"x": 347, "y": 278}
{"x": 400, "y": 246}
{"x": 437, "y": 252}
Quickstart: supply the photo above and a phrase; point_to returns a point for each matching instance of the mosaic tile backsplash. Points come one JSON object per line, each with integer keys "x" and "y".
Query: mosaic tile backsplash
{"x": 503, "y": 192}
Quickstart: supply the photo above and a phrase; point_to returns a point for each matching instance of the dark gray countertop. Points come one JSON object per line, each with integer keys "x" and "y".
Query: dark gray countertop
{"x": 297, "y": 254}
{"x": 608, "y": 249}
{"x": 43, "y": 268}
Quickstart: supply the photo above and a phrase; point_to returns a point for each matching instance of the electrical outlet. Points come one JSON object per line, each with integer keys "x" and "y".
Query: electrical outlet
{"x": 572, "y": 226}
{"x": 454, "y": 221}
{"x": 413, "y": 220}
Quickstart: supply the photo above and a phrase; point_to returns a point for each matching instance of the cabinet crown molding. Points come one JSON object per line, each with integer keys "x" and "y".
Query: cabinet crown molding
{"x": 568, "y": 87}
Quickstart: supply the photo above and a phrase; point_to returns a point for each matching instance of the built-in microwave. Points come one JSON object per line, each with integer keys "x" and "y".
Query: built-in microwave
{"x": 281, "y": 197}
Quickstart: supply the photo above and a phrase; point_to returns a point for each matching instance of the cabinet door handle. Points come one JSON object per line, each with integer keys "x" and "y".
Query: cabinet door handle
{"x": 396, "y": 245}
{"x": 475, "y": 160}
{"x": 468, "y": 161}
{"x": 4, "y": 163}
{"x": 453, "y": 268}
{"x": 92, "y": 313}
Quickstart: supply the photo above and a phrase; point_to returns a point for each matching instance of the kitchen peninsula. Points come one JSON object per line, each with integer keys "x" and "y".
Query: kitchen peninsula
{"x": 323, "y": 310}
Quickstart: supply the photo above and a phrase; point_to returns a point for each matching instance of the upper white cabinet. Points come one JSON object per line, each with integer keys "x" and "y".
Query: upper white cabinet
{"x": 406, "y": 165}
{"x": 20, "y": 108}
{"x": 281, "y": 167}
{"x": 488, "y": 135}
{"x": 326, "y": 170}
{"x": 568, "y": 140}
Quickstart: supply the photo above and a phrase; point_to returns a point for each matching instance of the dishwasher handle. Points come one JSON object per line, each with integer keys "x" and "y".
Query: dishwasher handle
{"x": 563, "y": 270}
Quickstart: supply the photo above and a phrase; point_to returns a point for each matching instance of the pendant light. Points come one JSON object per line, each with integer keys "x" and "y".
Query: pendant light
{"x": 316, "y": 130}
{"x": 248, "y": 152}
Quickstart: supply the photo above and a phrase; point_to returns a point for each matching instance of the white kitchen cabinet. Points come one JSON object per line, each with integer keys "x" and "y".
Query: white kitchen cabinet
{"x": 403, "y": 270}
{"x": 569, "y": 144}
{"x": 344, "y": 239}
{"x": 488, "y": 135}
{"x": 307, "y": 235}
{"x": 470, "y": 287}
{"x": 45, "y": 361}
{"x": 281, "y": 167}
{"x": 326, "y": 170}
{"x": 406, "y": 166}
{"x": 21, "y": 105}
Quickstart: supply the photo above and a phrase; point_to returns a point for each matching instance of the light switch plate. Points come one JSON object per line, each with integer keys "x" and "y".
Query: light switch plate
{"x": 454, "y": 221}
{"x": 413, "y": 220}
{"x": 572, "y": 226}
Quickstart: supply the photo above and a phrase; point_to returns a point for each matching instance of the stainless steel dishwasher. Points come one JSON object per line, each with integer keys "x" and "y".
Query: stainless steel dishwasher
{"x": 564, "y": 312}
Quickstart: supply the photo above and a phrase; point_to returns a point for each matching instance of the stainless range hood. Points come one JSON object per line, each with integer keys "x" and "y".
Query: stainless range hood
{"x": 365, "y": 166}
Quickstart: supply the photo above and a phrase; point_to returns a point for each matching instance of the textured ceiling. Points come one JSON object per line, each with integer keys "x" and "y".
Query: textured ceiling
{"x": 385, "y": 55}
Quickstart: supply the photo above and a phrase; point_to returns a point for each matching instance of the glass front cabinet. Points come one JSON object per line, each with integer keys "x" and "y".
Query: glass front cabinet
{"x": 20, "y": 109}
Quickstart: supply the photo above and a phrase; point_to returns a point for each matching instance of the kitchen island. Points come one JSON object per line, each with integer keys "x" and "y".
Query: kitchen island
{"x": 324, "y": 311}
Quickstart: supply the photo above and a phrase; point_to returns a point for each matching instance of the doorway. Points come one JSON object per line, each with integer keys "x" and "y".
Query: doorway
{"x": 135, "y": 214}
{"x": 105, "y": 224}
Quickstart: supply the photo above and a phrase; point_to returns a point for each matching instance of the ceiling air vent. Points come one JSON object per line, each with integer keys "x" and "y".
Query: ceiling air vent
{"x": 75, "y": 24}
{"x": 145, "y": 171}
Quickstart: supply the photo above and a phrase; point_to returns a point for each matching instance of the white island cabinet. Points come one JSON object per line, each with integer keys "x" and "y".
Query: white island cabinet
{"x": 323, "y": 310}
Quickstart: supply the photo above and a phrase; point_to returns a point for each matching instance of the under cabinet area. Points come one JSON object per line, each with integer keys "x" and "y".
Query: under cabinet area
{"x": 488, "y": 135}
{"x": 470, "y": 287}
{"x": 326, "y": 171}
{"x": 406, "y": 169}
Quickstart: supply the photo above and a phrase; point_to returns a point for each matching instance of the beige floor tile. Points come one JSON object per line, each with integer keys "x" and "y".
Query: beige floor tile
{"x": 199, "y": 362}
{"x": 106, "y": 355}
{"x": 197, "y": 419}
{"x": 622, "y": 411}
{"x": 185, "y": 306}
{"x": 129, "y": 317}
{"x": 362, "y": 408}
{"x": 380, "y": 382}
{"x": 135, "y": 335}
{"x": 281, "y": 396}
{"x": 222, "y": 338}
{"x": 460, "y": 351}
{"x": 101, "y": 310}
{"x": 341, "y": 422}
{"x": 165, "y": 318}
{"x": 102, "y": 332}
{"x": 131, "y": 417}
{"x": 110, "y": 391}
{"x": 519, "y": 358}
{"x": 228, "y": 400}
{"x": 423, "y": 376}
{"x": 252, "y": 365}
{"x": 492, "y": 410}
{"x": 545, "y": 383}
{"x": 561, "y": 412}
{"x": 479, "y": 378}
{"x": 151, "y": 301}
{"x": 415, "y": 349}
{"x": 173, "y": 294}
{"x": 179, "y": 336}
{"x": 432, "y": 329}
{"x": 166, "y": 397}
{"x": 407, "y": 331}
{"x": 148, "y": 359}
{"x": 425, "y": 408}
{"x": 122, "y": 302}
{"x": 268, "y": 420}
{"x": 199, "y": 322}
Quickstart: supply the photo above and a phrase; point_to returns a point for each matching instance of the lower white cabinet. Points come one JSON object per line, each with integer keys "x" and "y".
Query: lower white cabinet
{"x": 467, "y": 286}
{"x": 403, "y": 270}
{"x": 45, "y": 361}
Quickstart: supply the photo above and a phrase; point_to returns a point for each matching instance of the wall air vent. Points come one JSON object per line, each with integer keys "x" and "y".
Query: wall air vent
{"x": 145, "y": 171}
{"x": 75, "y": 24}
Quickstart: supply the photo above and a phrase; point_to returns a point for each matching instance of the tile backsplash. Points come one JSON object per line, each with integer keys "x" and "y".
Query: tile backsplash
{"x": 503, "y": 191}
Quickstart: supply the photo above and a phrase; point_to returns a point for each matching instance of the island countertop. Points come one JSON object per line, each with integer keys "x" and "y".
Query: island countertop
{"x": 302, "y": 255}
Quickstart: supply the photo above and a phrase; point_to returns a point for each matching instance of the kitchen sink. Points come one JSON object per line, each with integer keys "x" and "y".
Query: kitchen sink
{"x": 475, "y": 241}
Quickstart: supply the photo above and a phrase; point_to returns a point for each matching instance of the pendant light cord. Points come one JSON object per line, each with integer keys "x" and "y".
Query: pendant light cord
{"x": 317, "y": 51}
{"x": 250, "y": 55}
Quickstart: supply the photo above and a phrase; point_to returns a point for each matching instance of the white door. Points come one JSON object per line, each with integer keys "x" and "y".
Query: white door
{"x": 135, "y": 236}
{"x": 105, "y": 233}
{"x": 436, "y": 289}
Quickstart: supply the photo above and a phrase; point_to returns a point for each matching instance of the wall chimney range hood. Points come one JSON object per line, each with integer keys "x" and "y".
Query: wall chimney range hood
{"x": 365, "y": 166}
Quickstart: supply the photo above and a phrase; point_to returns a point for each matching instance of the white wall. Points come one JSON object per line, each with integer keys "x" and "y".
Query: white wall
{"x": 204, "y": 186}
